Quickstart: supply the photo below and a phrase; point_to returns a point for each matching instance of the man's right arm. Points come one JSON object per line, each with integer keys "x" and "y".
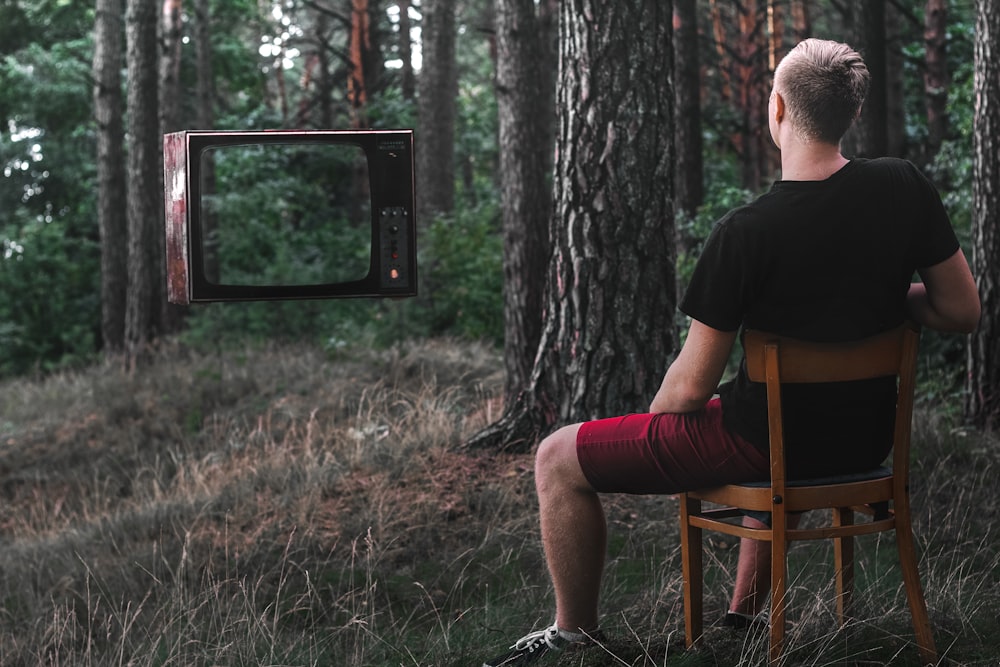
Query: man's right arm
{"x": 947, "y": 299}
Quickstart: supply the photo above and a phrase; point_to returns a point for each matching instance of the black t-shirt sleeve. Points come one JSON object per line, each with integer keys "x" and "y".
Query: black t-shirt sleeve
{"x": 933, "y": 240}
{"x": 718, "y": 292}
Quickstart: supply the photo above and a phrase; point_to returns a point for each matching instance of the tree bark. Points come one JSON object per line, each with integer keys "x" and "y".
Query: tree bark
{"x": 171, "y": 34}
{"x": 525, "y": 109}
{"x": 407, "y": 80}
{"x": 608, "y": 317}
{"x": 205, "y": 120}
{"x": 895, "y": 110}
{"x": 359, "y": 43}
{"x": 801, "y": 25}
{"x": 144, "y": 176}
{"x": 108, "y": 112}
{"x": 936, "y": 78}
{"x": 687, "y": 101}
{"x": 869, "y": 137}
{"x": 437, "y": 89}
{"x": 983, "y": 387}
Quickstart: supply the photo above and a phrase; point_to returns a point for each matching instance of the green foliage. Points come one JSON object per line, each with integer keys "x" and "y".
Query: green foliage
{"x": 464, "y": 275}
{"x": 49, "y": 261}
{"x": 721, "y": 196}
{"x": 48, "y": 231}
{"x": 460, "y": 294}
{"x": 51, "y": 310}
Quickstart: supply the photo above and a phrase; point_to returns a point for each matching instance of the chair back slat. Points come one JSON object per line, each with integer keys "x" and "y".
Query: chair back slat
{"x": 803, "y": 361}
{"x": 776, "y": 360}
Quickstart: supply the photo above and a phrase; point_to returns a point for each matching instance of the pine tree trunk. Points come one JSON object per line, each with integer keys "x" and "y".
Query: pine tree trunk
{"x": 437, "y": 89}
{"x": 983, "y": 395}
{"x": 608, "y": 318}
{"x": 108, "y": 112}
{"x": 868, "y": 137}
{"x": 936, "y": 78}
{"x": 171, "y": 33}
{"x": 407, "y": 82}
{"x": 205, "y": 120}
{"x": 687, "y": 100}
{"x": 525, "y": 109}
{"x": 895, "y": 111}
{"x": 144, "y": 193}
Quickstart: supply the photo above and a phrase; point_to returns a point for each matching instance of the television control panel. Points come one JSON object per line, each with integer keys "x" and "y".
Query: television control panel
{"x": 395, "y": 247}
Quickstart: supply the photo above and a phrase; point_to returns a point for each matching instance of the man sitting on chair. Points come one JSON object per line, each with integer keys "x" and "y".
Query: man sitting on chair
{"x": 827, "y": 255}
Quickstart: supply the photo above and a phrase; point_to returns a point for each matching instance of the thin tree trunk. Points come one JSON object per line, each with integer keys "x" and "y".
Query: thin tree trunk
{"x": 358, "y": 45}
{"x": 983, "y": 387}
{"x": 869, "y": 135}
{"x": 936, "y": 78}
{"x": 171, "y": 30}
{"x": 205, "y": 119}
{"x": 608, "y": 328}
{"x": 108, "y": 111}
{"x": 144, "y": 177}
{"x": 687, "y": 100}
{"x": 407, "y": 82}
{"x": 801, "y": 25}
{"x": 894, "y": 100}
{"x": 525, "y": 142}
{"x": 437, "y": 89}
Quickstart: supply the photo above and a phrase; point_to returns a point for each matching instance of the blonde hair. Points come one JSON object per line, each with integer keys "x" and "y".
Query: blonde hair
{"x": 823, "y": 84}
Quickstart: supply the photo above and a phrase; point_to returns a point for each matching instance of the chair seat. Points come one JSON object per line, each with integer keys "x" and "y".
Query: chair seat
{"x": 876, "y": 473}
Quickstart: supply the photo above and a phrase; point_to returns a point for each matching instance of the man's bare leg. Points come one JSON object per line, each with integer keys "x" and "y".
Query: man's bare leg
{"x": 574, "y": 531}
{"x": 753, "y": 570}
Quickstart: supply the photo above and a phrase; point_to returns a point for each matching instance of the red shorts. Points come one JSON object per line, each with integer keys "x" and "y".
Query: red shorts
{"x": 667, "y": 453}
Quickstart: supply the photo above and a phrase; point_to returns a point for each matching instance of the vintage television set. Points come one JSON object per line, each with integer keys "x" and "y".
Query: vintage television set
{"x": 289, "y": 214}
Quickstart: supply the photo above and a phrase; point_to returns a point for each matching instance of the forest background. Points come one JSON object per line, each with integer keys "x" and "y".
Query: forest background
{"x": 86, "y": 92}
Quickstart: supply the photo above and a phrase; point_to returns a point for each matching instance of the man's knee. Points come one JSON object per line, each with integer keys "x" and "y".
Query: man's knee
{"x": 556, "y": 459}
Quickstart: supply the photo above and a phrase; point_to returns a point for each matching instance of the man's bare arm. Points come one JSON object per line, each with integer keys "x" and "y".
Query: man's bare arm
{"x": 947, "y": 299}
{"x": 694, "y": 376}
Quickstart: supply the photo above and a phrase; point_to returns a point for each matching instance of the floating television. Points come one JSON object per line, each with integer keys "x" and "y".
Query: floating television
{"x": 289, "y": 214}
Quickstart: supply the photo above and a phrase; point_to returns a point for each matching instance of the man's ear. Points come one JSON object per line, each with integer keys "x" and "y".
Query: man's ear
{"x": 779, "y": 107}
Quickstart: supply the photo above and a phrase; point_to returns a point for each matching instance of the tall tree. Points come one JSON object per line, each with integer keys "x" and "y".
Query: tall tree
{"x": 205, "y": 118}
{"x": 687, "y": 100}
{"x": 407, "y": 79}
{"x": 869, "y": 136}
{"x": 895, "y": 108}
{"x": 525, "y": 109}
{"x": 983, "y": 390}
{"x": 742, "y": 46}
{"x": 801, "y": 25}
{"x": 437, "y": 88}
{"x": 608, "y": 316}
{"x": 108, "y": 112}
{"x": 936, "y": 76}
{"x": 143, "y": 195}
{"x": 171, "y": 39}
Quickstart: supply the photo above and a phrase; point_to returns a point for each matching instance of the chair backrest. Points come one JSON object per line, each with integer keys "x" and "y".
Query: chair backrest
{"x": 775, "y": 360}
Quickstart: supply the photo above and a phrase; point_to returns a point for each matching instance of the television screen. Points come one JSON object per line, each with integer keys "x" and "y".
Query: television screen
{"x": 289, "y": 215}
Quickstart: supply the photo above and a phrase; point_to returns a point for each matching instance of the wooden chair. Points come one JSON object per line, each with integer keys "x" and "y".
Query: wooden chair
{"x": 776, "y": 360}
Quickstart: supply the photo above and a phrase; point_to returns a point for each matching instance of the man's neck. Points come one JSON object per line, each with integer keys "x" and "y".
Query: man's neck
{"x": 811, "y": 162}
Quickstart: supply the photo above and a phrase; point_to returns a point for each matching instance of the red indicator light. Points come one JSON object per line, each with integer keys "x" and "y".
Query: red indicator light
{"x": 394, "y": 274}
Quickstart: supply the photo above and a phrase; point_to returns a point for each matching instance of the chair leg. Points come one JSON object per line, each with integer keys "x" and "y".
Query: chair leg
{"x": 911, "y": 580}
{"x": 691, "y": 565}
{"x": 843, "y": 554}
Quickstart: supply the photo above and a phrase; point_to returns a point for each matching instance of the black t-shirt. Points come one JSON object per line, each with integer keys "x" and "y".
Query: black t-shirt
{"x": 826, "y": 261}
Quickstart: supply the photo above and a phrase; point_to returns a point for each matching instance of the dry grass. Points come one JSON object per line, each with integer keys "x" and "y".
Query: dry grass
{"x": 279, "y": 506}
